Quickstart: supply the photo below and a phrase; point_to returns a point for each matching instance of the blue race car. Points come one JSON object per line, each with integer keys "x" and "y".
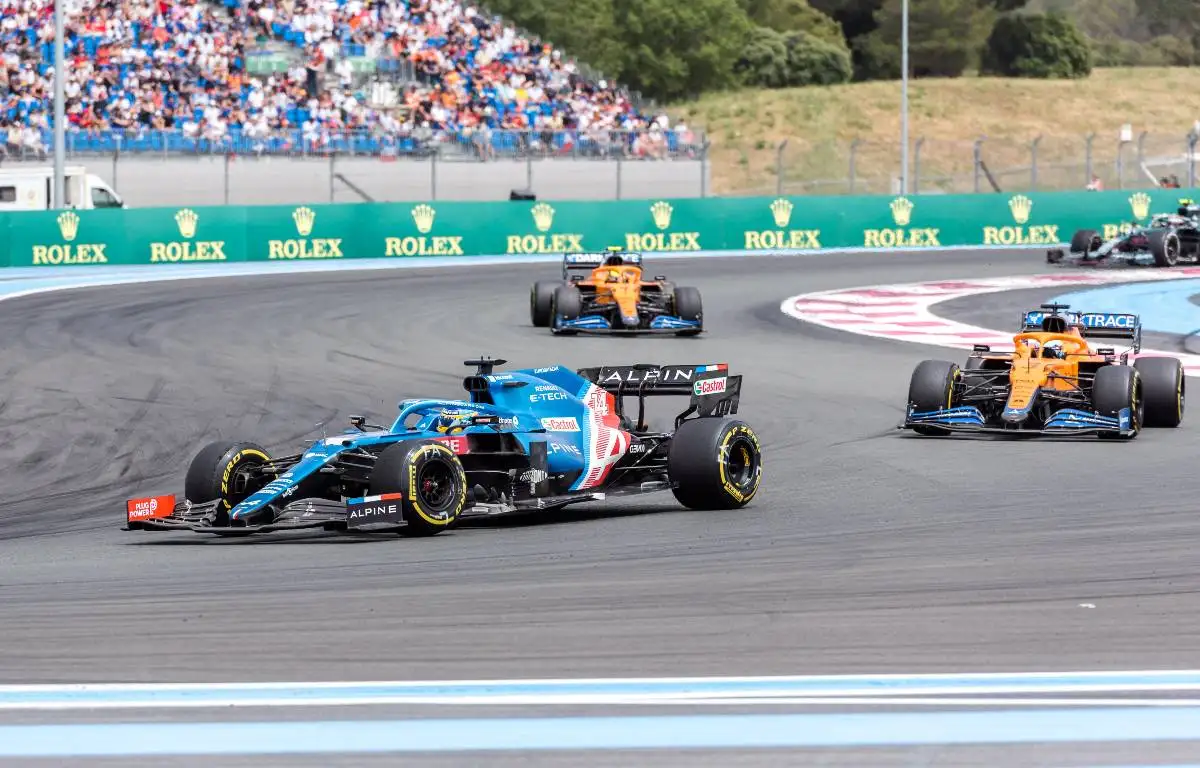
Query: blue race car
{"x": 536, "y": 438}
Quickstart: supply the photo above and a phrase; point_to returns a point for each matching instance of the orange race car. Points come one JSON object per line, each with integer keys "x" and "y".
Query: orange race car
{"x": 614, "y": 298}
{"x": 1052, "y": 383}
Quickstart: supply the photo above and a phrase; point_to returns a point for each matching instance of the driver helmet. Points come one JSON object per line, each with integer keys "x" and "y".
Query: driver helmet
{"x": 614, "y": 275}
{"x": 1054, "y": 349}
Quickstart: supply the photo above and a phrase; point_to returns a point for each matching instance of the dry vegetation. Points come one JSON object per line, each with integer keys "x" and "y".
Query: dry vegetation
{"x": 747, "y": 128}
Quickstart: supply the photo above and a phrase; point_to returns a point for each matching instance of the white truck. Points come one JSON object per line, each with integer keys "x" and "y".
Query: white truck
{"x": 32, "y": 189}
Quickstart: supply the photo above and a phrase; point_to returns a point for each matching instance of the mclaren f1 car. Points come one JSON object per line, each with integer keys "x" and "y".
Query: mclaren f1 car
{"x": 1053, "y": 383}
{"x": 613, "y": 298}
{"x": 1170, "y": 239}
{"x": 530, "y": 439}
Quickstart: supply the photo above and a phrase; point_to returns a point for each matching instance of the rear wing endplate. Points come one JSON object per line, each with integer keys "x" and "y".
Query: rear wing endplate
{"x": 713, "y": 391}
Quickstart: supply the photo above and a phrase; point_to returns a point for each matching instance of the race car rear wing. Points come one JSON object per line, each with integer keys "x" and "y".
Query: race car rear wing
{"x": 1091, "y": 325}
{"x": 712, "y": 390}
{"x": 581, "y": 261}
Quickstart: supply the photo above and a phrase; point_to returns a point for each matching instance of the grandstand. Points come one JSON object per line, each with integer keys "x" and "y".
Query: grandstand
{"x": 359, "y": 77}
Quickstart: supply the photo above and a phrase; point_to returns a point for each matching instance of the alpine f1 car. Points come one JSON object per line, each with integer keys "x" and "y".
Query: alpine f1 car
{"x": 614, "y": 298}
{"x": 1053, "y": 383}
{"x": 531, "y": 439}
{"x": 1170, "y": 239}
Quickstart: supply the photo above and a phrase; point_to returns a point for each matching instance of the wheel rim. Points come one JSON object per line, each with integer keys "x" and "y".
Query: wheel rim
{"x": 435, "y": 485}
{"x": 1172, "y": 249}
{"x": 741, "y": 464}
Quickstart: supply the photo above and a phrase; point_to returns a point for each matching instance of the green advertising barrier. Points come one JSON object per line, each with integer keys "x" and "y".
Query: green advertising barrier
{"x": 391, "y": 230}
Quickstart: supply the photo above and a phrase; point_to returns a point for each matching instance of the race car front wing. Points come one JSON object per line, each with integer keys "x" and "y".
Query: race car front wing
{"x": 367, "y": 514}
{"x": 1067, "y": 421}
{"x": 599, "y": 324}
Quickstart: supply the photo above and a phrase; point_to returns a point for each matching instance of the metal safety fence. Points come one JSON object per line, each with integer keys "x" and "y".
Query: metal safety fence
{"x": 240, "y": 167}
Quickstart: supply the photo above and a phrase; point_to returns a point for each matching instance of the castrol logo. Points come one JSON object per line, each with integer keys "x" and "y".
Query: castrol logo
{"x": 709, "y": 386}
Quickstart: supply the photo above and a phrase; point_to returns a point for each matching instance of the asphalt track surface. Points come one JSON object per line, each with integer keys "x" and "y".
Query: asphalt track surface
{"x": 867, "y": 549}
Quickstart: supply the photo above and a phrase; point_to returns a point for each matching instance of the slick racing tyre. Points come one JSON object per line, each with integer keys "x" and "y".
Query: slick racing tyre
{"x": 689, "y": 307}
{"x": 1117, "y": 387}
{"x": 1085, "y": 241}
{"x": 567, "y": 304}
{"x": 541, "y": 299}
{"x": 932, "y": 388}
{"x": 1162, "y": 390}
{"x": 217, "y": 473}
{"x": 1164, "y": 247}
{"x": 714, "y": 463}
{"x": 431, "y": 481}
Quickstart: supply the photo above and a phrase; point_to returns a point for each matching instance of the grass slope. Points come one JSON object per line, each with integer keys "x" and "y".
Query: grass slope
{"x": 819, "y": 124}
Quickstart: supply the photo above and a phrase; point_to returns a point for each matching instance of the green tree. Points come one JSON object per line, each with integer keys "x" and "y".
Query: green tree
{"x": 775, "y": 60}
{"x": 1037, "y": 45}
{"x": 944, "y": 38}
{"x": 793, "y": 16}
{"x": 675, "y": 49}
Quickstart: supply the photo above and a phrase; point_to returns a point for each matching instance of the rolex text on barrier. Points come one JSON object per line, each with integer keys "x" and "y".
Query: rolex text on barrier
{"x": 164, "y": 236}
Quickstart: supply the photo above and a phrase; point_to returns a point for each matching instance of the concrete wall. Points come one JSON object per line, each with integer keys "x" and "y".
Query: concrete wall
{"x": 175, "y": 181}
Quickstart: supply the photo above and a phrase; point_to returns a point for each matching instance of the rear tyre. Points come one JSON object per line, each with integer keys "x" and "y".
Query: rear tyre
{"x": 1118, "y": 387}
{"x": 932, "y": 388}
{"x": 688, "y": 306}
{"x": 541, "y": 299}
{"x": 566, "y": 304}
{"x": 714, "y": 463}
{"x": 1164, "y": 247}
{"x": 217, "y": 473}
{"x": 1162, "y": 390}
{"x": 1085, "y": 241}
{"x": 431, "y": 481}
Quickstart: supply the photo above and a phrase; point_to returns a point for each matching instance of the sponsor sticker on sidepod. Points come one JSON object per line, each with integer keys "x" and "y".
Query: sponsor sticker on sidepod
{"x": 561, "y": 424}
{"x": 150, "y": 508}
{"x": 709, "y": 386}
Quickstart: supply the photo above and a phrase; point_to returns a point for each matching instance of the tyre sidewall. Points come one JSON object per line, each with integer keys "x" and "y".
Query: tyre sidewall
{"x": 213, "y": 474}
{"x": 399, "y": 469}
{"x": 1162, "y": 390}
{"x": 699, "y": 463}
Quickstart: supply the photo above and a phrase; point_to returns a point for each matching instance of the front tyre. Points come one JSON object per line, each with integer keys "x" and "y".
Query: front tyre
{"x": 714, "y": 463}
{"x": 688, "y": 306}
{"x": 566, "y": 304}
{"x": 1116, "y": 388}
{"x": 541, "y": 300}
{"x": 431, "y": 481}
{"x": 932, "y": 388}
{"x": 1162, "y": 390}
{"x": 1164, "y": 246}
{"x": 219, "y": 473}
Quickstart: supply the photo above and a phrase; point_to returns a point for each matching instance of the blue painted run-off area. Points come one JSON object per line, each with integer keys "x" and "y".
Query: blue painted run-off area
{"x": 1164, "y": 307}
{"x": 1044, "y": 726}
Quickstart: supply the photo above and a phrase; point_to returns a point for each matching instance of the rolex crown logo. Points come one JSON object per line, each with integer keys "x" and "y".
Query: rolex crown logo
{"x": 1140, "y": 203}
{"x": 423, "y": 217}
{"x": 304, "y": 217}
{"x": 781, "y": 209}
{"x": 543, "y": 217}
{"x": 661, "y": 211}
{"x": 902, "y": 209}
{"x": 1021, "y": 207}
{"x": 68, "y": 225}
{"x": 187, "y": 220}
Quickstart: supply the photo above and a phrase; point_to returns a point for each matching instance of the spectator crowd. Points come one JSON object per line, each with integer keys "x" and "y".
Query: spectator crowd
{"x": 139, "y": 67}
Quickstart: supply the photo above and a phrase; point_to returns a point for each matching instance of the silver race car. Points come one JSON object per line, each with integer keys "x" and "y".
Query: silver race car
{"x": 1169, "y": 240}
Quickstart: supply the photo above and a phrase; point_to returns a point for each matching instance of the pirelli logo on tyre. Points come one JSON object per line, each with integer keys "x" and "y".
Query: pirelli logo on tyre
{"x": 709, "y": 386}
{"x": 740, "y": 434}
